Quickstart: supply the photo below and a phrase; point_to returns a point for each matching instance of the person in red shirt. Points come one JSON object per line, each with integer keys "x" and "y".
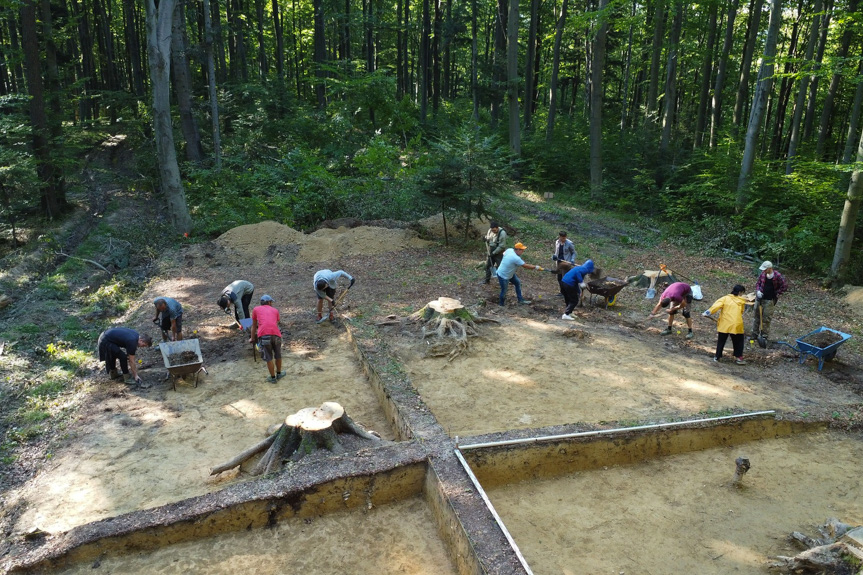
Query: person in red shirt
{"x": 676, "y": 297}
{"x": 266, "y": 332}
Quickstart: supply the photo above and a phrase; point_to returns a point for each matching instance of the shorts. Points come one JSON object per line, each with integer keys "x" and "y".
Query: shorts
{"x": 331, "y": 292}
{"x": 271, "y": 347}
{"x": 166, "y": 322}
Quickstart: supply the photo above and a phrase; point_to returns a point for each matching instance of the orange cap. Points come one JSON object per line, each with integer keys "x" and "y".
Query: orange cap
{"x": 520, "y": 246}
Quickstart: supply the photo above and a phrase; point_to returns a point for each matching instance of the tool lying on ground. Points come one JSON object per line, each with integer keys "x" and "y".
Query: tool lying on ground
{"x": 335, "y": 305}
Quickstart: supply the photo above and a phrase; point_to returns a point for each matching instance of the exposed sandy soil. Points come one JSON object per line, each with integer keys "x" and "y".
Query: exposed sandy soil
{"x": 680, "y": 514}
{"x": 134, "y": 449}
{"x": 391, "y": 539}
{"x": 141, "y": 449}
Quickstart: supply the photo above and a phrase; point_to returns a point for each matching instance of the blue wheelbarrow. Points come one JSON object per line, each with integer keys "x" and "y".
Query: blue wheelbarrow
{"x": 806, "y": 348}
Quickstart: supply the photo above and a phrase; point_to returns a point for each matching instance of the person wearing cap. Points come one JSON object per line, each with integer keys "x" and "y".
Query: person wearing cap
{"x": 120, "y": 344}
{"x": 676, "y": 297}
{"x": 495, "y": 244}
{"x": 564, "y": 251}
{"x": 506, "y": 275}
{"x": 268, "y": 336}
{"x": 768, "y": 288}
{"x": 239, "y": 294}
{"x": 169, "y": 317}
{"x": 325, "y": 283}
{"x": 730, "y": 322}
{"x": 574, "y": 281}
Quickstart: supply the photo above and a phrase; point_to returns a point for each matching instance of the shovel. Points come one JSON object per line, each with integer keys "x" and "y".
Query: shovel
{"x": 762, "y": 343}
{"x": 335, "y": 305}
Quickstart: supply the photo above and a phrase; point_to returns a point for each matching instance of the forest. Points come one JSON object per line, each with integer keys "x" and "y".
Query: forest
{"x": 733, "y": 126}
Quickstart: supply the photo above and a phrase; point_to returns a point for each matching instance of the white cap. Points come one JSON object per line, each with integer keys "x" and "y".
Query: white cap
{"x": 766, "y": 265}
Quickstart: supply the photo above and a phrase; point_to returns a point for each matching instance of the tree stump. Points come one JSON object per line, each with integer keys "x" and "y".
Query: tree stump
{"x": 450, "y": 324}
{"x": 302, "y": 433}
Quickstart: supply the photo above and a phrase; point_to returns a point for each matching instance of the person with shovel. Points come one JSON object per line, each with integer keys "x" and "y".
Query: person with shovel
{"x": 239, "y": 294}
{"x": 325, "y": 283}
{"x": 564, "y": 251}
{"x": 676, "y": 297}
{"x": 768, "y": 288}
{"x": 169, "y": 316}
{"x": 495, "y": 244}
{"x": 509, "y": 264}
{"x": 730, "y": 322}
{"x": 120, "y": 344}
{"x": 266, "y": 333}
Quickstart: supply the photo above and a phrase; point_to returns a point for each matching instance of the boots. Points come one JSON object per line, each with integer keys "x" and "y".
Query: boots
{"x": 115, "y": 374}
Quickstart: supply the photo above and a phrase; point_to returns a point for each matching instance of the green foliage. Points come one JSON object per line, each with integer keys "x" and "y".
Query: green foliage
{"x": 465, "y": 173}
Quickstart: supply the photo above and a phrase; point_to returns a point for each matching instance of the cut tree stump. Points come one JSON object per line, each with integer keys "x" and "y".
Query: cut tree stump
{"x": 450, "y": 324}
{"x": 302, "y": 433}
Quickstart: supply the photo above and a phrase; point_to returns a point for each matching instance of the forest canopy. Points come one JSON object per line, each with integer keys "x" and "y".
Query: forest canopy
{"x": 734, "y": 124}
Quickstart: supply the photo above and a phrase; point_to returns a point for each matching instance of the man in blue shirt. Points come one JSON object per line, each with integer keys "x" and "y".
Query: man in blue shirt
{"x": 171, "y": 313}
{"x": 506, "y": 272}
{"x": 121, "y": 343}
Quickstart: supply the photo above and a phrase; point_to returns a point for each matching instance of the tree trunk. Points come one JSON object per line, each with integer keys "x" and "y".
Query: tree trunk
{"x": 809, "y": 122}
{"x": 133, "y": 46}
{"x": 211, "y": 85}
{"x": 854, "y": 121}
{"x": 719, "y": 87}
{"x": 278, "y": 31}
{"x": 53, "y": 198}
{"x": 320, "y": 54}
{"x": 474, "y": 56}
{"x": 436, "y": 46}
{"x": 159, "y": 23}
{"x": 498, "y": 72}
{"x": 424, "y": 63}
{"x": 670, "y": 97}
{"x": 746, "y": 62}
{"x": 263, "y": 64}
{"x": 627, "y": 63}
{"x": 555, "y": 70}
{"x": 53, "y": 95}
{"x": 183, "y": 85}
{"x": 847, "y": 222}
{"x": 512, "y": 78}
{"x": 835, "y": 81}
{"x": 660, "y": 14}
{"x": 597, "y": 65}
{"x": 759, "y": 101}
{"x": 706, "y": 69}
{"x": 803, "y": 87}
{"x": 780, "y": 103}
{"x": 530, "y": 62}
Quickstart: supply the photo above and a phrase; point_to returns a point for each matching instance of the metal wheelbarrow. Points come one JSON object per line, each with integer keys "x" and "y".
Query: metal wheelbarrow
{"x": 607, "y": 288}
{"x": 169, "y": 348}
{"x": 822, "y": 354}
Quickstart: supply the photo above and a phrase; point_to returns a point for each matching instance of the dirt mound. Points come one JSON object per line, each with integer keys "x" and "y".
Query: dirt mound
{"x": 328, "y": 244}
{"x": 455, "y": 227}
{"x": 854, "y": 299}
{"x": 256, "y": 243}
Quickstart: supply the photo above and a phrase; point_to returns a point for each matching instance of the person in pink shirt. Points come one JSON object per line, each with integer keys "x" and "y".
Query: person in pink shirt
{"x": 266, "y": 332}
{"x": 676, "y": 297}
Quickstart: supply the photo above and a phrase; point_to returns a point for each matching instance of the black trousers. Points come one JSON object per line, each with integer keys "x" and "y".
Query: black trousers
{"x": 571, "y": 295}
{"x": 737, "y": 340}
{"x": 110, "y": 353}
{"x": 246, "y": 301}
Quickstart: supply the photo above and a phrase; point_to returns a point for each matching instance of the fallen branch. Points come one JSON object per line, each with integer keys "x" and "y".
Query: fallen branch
{"x": 97, "y": 264}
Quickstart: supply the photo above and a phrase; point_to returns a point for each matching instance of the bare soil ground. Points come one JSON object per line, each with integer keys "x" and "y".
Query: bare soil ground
{"x": 137, "y": 448}
{"x": 681, "y": 514}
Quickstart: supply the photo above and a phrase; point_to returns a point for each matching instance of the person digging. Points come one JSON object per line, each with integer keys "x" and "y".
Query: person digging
{"x": 770, "y": 285}
{"x": 120, "y": 344}
{"x": 266, "y": 332}
{"x": 676, "y": 297}
{"x": 325, "y": 283}
{"x": 506, "y": 273}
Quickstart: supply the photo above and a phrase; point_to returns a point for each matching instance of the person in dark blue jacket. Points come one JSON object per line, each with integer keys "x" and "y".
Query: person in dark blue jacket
{"x": 572, "y": 282}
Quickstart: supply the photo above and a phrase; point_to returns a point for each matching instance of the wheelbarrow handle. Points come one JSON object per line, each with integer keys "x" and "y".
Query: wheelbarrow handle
{"x": 786, "y": 344}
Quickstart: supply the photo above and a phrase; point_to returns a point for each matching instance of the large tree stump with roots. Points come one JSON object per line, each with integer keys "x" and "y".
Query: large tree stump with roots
{"x": 302, "y": 433}
{"x": 450, "y": 324}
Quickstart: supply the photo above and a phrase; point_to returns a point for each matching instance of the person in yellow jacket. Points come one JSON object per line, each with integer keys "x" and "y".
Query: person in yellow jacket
{"x": 730, "y": 322}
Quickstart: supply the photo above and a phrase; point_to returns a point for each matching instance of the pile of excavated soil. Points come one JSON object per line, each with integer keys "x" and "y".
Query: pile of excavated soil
{"x": 455, "y": 227}
{"x": 854, "y": 299}
{"x": 258, "y": 243}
